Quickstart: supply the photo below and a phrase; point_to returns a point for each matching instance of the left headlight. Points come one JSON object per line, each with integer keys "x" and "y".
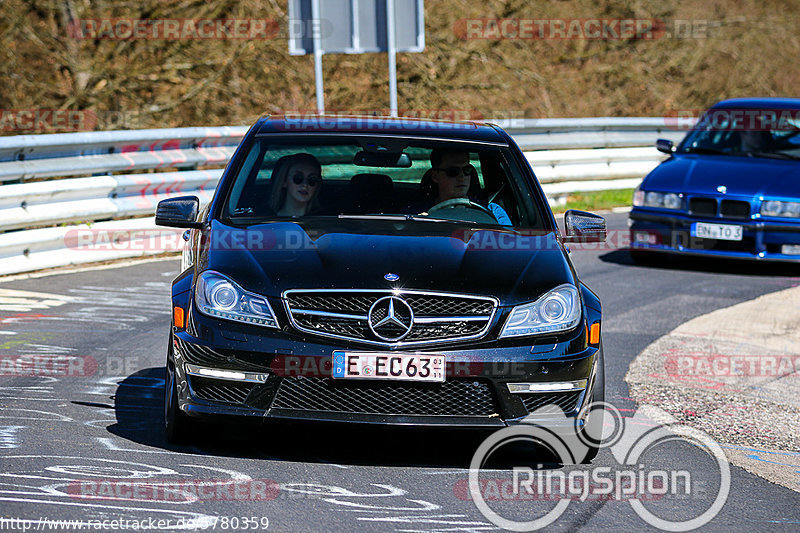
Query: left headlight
{"x": 665, "y": 200}
{"x": 776, "y": 208}
{"x": 558, "y": 310}
{"x": 220, "y": 297}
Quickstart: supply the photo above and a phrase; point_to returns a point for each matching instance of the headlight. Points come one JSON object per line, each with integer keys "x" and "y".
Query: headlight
{"x": 668, "y": 200}
{"x": 220, "y": 297}
{"x": 775, "y": 208}
{"x": 558, "y": 310}
{"x": 672, "y": 201}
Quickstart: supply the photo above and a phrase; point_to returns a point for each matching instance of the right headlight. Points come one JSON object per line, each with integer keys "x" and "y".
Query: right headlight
{"x": 558, "y": 310}
{"x": 220, "y": 297}
{"x": 776, "y": 208}
{"x": 664, "y": 200}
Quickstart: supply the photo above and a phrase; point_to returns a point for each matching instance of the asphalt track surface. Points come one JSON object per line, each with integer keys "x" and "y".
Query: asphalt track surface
{"x": 56, "y": 432}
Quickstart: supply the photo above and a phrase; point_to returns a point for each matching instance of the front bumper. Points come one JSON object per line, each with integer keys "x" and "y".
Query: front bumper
{"x": 659, "y": 232}
{"x": 279, "y": 384}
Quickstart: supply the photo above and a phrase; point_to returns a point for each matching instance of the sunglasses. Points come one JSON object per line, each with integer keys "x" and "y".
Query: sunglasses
{"x": 452, "y": 172}
{"x": 298, "y": 179}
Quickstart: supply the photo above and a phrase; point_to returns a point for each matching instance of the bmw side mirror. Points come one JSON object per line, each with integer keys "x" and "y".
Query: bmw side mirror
{"x": 180, "y": 212}
{"x": 664, "y": 145}
{"x": 581, "y": 226}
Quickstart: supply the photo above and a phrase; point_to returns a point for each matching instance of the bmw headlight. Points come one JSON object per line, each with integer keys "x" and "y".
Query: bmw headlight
{"x": 775, "y": 208}
{"x": 664, "y": 200}
{"x": 220, "y": 297}
{"x": 558, "y": 310}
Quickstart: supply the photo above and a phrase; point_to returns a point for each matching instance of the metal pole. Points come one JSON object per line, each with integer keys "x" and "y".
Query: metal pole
{"x": 392, "y": 48}
{"x": 316, "y": 25}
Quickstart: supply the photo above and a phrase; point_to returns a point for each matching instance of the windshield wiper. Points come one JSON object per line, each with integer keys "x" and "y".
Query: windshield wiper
{"x": 704, "y": 150}
{"x": 775, "y": 155}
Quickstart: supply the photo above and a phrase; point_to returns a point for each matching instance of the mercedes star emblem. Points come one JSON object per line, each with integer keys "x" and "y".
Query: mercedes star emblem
{"x": 722, "y": 189}
{"x": 390, "y": 318}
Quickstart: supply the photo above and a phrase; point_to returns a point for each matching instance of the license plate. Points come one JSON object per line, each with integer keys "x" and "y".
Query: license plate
{"x": 381, "y": 365}
{"x": 722, "y": 232}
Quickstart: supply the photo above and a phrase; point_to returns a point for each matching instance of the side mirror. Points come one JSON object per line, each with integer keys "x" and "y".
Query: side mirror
{"x": 664, "y": 145}
{"x": 581, "y": 226}
{"x": 180, "y": 212}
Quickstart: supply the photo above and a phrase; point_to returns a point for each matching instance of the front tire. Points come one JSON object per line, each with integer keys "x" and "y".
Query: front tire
{"x": 178, "y": 427}
{"x": 594, "y": 424}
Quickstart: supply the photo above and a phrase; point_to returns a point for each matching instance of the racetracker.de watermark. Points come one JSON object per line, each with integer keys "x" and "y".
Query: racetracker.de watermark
{"x": 734, "y": 119}
{"x": 287, "y": 236}
{"x": 720, "y": 365}
{"x": 603, "y": 29}
{"x": 123, "y": 29}
{"x": 46, "y": 120}
{"x": 190, "y": 29}
{"x": 68, "y": 366}
{"x": 183, "y": 490}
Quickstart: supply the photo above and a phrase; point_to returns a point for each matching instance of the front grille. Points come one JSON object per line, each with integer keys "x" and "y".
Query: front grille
{"x": 567, "y": 401}
{"x": 734, "y": 209}
{"x": 219, "y": 390}
{"x": 451, "y": 398}
{"x": 706, "y": 207}
{"x": 437, "y": 317}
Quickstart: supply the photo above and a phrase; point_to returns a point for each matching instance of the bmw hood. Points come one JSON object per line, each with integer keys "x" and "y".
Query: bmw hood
{"x": 741, "y": 176}
{"x": 341, "y": 254}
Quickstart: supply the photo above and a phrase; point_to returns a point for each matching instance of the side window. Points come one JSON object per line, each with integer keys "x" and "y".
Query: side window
{"x": 238, "y": 199}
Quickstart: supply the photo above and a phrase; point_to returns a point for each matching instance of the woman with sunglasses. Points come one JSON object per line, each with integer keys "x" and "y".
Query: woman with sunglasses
{"x": 296, "y": 181}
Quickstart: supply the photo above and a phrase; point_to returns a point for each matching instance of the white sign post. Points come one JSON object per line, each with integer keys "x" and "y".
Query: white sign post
{"x": 356, "y": 27}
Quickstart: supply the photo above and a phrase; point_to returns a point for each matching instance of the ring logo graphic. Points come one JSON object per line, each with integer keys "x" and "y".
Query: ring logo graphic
{"x": 634, "y": 442}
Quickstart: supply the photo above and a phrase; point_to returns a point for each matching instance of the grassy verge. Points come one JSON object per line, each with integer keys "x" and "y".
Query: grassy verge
{"x": 596, "y": 200}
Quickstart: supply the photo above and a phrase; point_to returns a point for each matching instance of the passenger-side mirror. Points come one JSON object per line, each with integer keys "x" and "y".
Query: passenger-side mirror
{"x": 664, "y": 145}
{"x": 180, "y": 212}
{"x": 580, "y": 226}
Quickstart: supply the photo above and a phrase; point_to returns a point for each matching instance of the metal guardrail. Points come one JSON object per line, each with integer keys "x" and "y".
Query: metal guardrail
{"x": 568, "y": 155}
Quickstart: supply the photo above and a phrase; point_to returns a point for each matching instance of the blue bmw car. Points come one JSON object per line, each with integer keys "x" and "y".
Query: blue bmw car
{"x": 731, "y": 188}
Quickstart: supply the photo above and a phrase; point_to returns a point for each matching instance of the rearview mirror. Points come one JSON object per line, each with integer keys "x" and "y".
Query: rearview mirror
{"x": 580, "y": 226}
{"x": 180, "y": 212}
{"x": 382, "y": 159}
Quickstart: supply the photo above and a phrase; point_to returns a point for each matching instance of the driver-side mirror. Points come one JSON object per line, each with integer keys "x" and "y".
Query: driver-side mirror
{"x": 180, "y": 212}
{"x": 581, "y": 226}
{"x": 664, "y": 145}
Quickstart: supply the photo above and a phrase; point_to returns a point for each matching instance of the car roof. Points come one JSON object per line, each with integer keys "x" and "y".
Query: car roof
{"x": 759, "y": 103}
{"x": 305, "y": 124}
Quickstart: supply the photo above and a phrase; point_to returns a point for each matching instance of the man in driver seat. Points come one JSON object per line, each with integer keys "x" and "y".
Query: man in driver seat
{"x": 451, "y": 176}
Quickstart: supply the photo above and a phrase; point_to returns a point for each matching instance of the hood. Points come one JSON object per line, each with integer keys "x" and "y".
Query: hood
{"x": 349, "y": 254}
{"x": 742, "y": 176}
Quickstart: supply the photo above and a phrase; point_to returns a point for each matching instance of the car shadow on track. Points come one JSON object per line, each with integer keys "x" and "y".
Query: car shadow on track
{"x": 138, "y": 406}
{"x": 704, "y": 264}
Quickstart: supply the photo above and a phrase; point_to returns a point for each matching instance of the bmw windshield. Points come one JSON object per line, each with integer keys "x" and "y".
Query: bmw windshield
{"x": 773, "y": 134}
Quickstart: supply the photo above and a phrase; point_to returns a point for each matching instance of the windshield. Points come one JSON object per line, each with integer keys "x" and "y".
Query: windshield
{"x": 746, "y": 133}
{"x": 374, "y": 177}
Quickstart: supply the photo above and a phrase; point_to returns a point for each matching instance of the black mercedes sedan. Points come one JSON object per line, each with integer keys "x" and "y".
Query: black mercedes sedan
{"x": 380, "y": 271}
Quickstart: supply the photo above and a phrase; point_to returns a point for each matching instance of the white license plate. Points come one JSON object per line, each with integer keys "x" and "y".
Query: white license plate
{"x": 722, "y": 232}
{"x": 382, "y": 365}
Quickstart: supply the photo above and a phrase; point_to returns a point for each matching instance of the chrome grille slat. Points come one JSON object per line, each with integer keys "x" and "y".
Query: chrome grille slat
{"x": 438, "y": 317}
